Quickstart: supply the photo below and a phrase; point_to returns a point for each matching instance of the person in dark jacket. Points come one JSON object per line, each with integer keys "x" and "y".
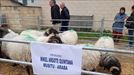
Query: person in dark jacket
{"x": 130, "y": 26}
{"x": 65, "y": 16}
{"x": 119, "y": 23}
{"x": 55, "y": 14}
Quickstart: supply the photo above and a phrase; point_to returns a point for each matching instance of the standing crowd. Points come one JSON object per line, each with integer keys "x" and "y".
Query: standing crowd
{"x": 59, "y": 17}
{"x": 121, "y": 21}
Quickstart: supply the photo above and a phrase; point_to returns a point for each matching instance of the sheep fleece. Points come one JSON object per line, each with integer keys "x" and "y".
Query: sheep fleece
{"x": 18, "y": 51}
{"x": 90, "y": 59}
{"x": 69, "y": 37}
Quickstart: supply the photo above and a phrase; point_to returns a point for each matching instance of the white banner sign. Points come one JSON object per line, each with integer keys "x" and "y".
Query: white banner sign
{"x": 48, "y": 59}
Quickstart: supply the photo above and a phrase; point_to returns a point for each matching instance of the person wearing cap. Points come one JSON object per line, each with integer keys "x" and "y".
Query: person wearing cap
{"x": 65, "y": 16}
{"x": 55, "y": 14}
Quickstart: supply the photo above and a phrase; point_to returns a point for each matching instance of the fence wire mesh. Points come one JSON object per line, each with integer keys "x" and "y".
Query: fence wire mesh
{"x": 89, "y": 29}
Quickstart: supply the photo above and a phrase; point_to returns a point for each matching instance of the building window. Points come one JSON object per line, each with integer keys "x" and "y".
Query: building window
{"x": 32, "y": 1}
{"x": 87, "y": 25}
{"x": 25, "y": 2}
{"x": 3, "y": 19}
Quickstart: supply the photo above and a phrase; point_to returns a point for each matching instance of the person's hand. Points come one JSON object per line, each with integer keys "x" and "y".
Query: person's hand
{"x": 125, "y": 20}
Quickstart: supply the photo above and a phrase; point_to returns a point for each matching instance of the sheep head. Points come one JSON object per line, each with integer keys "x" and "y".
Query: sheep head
{"x": 55, "y": 39}
{"x": 111, "y": 63}
{"x": 50, "y": 31}
{"x": 3, "y": 30}
{"x": 52, "y": 38}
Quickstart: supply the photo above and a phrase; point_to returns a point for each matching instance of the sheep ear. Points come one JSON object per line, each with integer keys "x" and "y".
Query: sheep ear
{"x": 46, "y": 34}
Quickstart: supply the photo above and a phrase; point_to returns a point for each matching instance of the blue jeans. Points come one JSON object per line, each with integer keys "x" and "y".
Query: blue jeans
{"x": 64, "y": 24}
{"x": 131, "y": 37}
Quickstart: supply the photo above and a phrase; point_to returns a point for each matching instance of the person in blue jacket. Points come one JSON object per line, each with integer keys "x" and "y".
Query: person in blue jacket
{"x": 65, "y": 16}
{"x": 119, "y": 24}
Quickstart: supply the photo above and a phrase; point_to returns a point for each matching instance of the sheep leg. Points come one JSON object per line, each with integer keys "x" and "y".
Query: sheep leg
{"x": 2, "y": 55}
{"x": 14, "y": 65}
{"x": 29, "y": 70}
{"x": 6, "y": 57}
{"x": 104, "y": 68}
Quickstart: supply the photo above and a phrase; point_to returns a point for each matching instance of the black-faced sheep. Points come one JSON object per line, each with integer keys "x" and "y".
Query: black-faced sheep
{"x": 107, "y": 60}
{"x": 111, "y": 63}
{"x": 90, "y": 58}
{"x": 50, "y": 31}
{"x": 67, "y": 37}
{"x": 20, "y": 51}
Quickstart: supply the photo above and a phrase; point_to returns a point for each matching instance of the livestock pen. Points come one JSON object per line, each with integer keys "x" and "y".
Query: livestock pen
{"x": 86, "y": 35}
{"x": 85, "y": 72}
{"x": 88, "y": 28}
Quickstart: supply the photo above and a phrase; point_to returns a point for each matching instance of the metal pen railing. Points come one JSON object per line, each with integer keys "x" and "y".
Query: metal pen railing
{"x": 92, "y": 48}
{"x": 100, "y": 32}
{"x": 30, "y": 64}
{"x": 85, "y": 72}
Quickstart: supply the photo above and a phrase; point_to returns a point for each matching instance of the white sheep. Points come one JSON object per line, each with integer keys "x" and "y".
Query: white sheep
{"x": 19, "y": 51}
{"x": 8, "y": 36}
{"x": 69, "y": 37}
{"x": 108, "y": 61}
{"x": 32, "y": 33}
{"x": 105, "y": 42}
{"x": 90, "y": 59}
